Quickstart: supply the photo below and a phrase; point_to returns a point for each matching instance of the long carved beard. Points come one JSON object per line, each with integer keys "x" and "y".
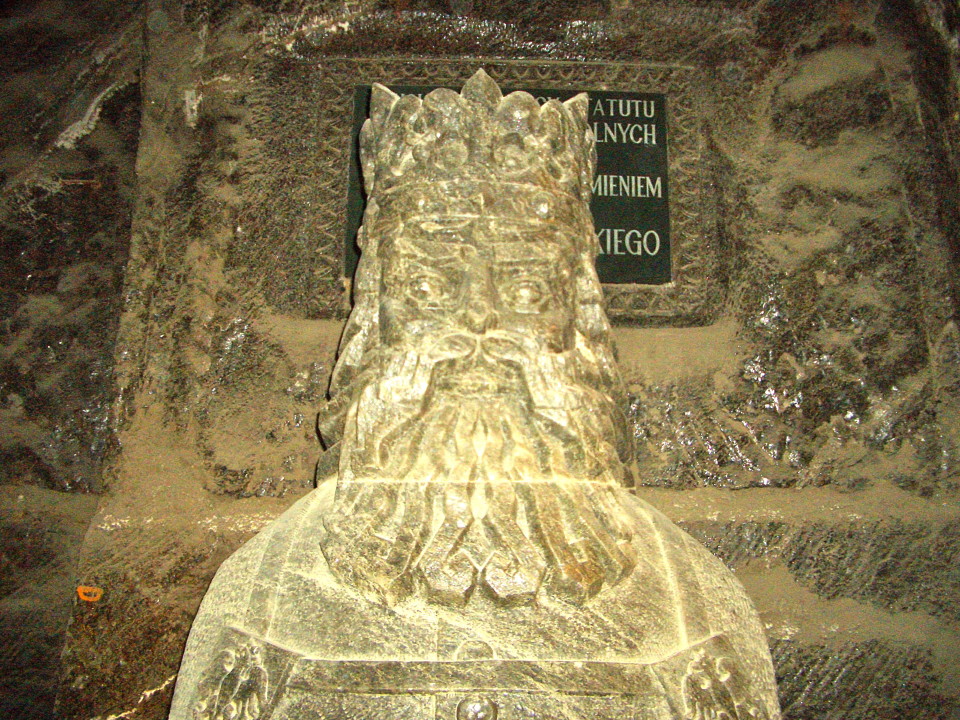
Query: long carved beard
{"x": 477, "y": 488}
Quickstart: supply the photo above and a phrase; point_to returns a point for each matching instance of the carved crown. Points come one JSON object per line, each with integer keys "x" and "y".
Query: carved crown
{"x": 478, "y": 136}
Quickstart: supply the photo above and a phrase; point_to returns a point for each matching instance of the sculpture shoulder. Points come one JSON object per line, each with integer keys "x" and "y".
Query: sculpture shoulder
{"x": 268, "y": 548}
{"x": 714, "y": 609}
{"x": 237, "y": 596}
{"x": 710, "y": 597}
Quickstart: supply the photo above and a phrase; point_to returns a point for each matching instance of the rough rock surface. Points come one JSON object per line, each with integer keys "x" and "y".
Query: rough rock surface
{"x": 69, "y": 123}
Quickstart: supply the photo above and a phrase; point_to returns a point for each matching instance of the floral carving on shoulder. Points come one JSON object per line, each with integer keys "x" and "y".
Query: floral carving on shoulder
{"x": 238, "y": 685}
{"x": 715, "y": 689}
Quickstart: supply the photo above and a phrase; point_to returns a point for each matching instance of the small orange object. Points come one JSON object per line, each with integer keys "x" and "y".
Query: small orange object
{"x": 89, "y": 593}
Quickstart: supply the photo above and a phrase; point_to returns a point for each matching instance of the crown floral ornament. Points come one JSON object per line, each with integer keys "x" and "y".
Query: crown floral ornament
{"x": 478, "y": 134}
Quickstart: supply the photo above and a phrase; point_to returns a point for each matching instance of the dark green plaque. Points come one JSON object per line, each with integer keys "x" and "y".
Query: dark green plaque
{"x": 630, "y": 194}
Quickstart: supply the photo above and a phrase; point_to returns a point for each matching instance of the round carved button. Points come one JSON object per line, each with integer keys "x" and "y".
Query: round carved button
{"x": 477, "y": 709}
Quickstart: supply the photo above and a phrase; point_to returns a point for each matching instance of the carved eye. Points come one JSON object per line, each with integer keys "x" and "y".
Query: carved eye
{"x": 428, "y": 290}
{"x": 526, "y": 294}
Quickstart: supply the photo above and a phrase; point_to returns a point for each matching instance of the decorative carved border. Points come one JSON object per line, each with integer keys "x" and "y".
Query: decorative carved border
{"x": 692, "y": 297}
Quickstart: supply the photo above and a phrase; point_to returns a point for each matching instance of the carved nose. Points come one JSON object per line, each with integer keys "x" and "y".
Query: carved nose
{"x": 480, "y": 315}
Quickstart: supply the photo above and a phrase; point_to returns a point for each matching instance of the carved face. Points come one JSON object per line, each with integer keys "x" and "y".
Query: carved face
{"x": 473, "y": 277}
{"x": 479, "y": 432}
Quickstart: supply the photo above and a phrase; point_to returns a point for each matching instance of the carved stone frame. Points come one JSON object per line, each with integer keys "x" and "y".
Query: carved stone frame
{"x": 693, "y": 296}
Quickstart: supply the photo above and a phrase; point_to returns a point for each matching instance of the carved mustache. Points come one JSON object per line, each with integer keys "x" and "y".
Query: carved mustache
{"x": 495, "y": 345}
{"x": 505, "y": 354}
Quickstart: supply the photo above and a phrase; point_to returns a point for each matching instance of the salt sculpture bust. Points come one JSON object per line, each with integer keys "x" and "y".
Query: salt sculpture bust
{"x": 476, "y": 554}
